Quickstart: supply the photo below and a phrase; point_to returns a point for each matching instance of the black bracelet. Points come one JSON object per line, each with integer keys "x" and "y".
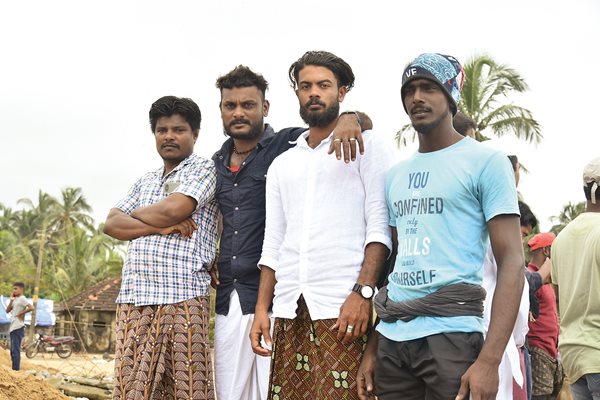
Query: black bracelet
{"x": 353, "y": 113}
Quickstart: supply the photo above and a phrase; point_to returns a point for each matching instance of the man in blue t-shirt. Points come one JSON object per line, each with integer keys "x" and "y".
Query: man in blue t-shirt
{"x": 446, "y": 203}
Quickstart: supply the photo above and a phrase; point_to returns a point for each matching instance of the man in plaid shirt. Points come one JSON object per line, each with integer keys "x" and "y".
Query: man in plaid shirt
{"x": 169, "y": 218}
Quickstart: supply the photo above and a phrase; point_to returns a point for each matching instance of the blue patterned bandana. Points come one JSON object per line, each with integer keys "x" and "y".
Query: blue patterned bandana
{"x": 443, "y": 70}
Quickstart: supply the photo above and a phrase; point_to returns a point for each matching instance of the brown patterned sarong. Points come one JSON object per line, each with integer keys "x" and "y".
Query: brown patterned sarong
{"x": 163, "y": 352}
{"x": 546, "y": 374}
{"x": 309, "y": 362}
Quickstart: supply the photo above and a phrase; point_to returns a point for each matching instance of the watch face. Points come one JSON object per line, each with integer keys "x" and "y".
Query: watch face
{"x": 366, "y": 292}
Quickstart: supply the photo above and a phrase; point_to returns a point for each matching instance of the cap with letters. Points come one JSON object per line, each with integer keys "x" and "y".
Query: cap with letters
{"x": 444, "y": 70}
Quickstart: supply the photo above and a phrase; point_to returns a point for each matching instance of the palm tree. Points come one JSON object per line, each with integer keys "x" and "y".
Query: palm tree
{"x": 57, "y": 240}
{"x": 19, "y": 240}
{"x": 73, "y": 210}
{"x": 83, "y": 260}
{"x": 569, "y": 213}
{"x": 6, "y": 217}
{"x": 75, "y": 252}
{"x": 486, "y": 96}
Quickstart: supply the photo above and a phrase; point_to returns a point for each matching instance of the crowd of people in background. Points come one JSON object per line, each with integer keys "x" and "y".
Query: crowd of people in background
{"x": 302, "y": 246}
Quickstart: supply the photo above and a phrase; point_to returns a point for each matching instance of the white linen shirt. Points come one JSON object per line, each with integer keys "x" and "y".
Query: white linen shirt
{"x": 320, "y": 215}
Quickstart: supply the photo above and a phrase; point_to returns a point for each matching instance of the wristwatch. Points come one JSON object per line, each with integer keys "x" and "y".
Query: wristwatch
{"x": 365, "y": 291}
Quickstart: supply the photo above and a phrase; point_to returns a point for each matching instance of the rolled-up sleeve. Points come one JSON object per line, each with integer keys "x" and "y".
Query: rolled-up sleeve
{"x": 374, "y": 166}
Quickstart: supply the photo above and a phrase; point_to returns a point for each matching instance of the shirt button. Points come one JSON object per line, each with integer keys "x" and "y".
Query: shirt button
{"x": 237, "y": 208}
{"x": 235, "y": 232}
{"x": 244, "y": 163}
{"x": 235, "y": 280}
{"x": 234, "y": 257}
{"x": 235, "y": 184}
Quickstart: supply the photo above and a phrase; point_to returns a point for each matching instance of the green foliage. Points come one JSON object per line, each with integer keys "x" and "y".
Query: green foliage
{"x": 486, "y": 98}
{"x": 74, "y": 254}
{"x": 569, "y": 212}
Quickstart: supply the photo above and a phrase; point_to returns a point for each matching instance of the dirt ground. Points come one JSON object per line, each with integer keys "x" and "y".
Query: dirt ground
{"x": 19, "y": 385}
{"x": 83, "y": 365}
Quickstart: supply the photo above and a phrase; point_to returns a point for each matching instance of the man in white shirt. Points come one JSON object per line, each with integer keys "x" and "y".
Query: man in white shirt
{"x": 18, "y": 307}
{"x": 326, "y": 239}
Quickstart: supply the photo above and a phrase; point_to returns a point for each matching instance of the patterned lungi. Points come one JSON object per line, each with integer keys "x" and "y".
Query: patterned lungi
{"x": 547, "y": 374}
{"x": 309, "y": 362}
{"x": 163, "y": 352}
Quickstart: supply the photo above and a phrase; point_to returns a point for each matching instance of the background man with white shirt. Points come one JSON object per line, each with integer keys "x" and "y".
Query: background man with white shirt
{"x": 326, "y": 239}
{"x": 18, "y": 307}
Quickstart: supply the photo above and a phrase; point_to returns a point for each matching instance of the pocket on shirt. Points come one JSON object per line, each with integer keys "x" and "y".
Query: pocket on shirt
{"x": 257, "y": 195}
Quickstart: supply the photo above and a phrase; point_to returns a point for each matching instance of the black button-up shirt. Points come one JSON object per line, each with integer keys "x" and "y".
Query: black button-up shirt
{"x": 241, "y": 199}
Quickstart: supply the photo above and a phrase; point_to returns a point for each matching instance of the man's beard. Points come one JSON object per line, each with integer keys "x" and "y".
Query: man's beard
{"x": 319, "y": 119}
{"x": 424, "y": 129}
{"x": 255, "y": 130}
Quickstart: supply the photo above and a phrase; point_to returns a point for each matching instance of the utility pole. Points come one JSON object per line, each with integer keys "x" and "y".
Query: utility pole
{"x": 38, "y": 277}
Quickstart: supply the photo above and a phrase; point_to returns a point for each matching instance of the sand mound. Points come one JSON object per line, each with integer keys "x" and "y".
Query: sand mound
{"x": 17, "y": 385}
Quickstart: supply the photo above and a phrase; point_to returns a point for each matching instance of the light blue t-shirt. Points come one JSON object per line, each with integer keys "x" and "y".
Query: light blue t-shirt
{"x": 440, "y": 203}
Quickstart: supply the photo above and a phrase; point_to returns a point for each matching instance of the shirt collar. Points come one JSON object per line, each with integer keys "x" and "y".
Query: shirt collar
{"x": 227, "y": 146}
{"x": 303, "y": 142}
{"x": 159, "y": 172}
{"x": 267, "y": 136}
{"x": 535, "y": 267}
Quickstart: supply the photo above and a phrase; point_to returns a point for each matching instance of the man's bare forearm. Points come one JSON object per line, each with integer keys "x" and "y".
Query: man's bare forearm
{"x": 505, "y": 306}
{"x": 167, "y": 212}
{"x": 266, "y": 289}
{"x": 122, "y": 226}
{"x": 375, "y": 256}
{"x": 508, "y": 251}
{"x": 26, "y": 310}
{"x": 390, "y": 262}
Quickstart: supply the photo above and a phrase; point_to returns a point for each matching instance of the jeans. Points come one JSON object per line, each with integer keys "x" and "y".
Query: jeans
{"x": 587, "y": 387}
{"x": 528, "y": 375}
{"x": 16, "y": 337}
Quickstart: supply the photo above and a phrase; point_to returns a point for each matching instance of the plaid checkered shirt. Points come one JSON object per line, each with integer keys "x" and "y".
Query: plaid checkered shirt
{"x": 167, "y": 269}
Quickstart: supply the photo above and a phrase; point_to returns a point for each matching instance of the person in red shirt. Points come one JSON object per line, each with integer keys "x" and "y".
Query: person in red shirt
{"x": 543, "y": 332}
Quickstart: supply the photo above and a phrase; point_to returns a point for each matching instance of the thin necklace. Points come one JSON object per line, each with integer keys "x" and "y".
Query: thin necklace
{"x": 241, "y": 153}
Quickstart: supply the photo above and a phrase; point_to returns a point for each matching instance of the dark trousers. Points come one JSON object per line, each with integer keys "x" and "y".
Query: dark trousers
{"x": 426, "y": 368}
{"x": 16, "y": 337}
{"x": 528, "y": 375}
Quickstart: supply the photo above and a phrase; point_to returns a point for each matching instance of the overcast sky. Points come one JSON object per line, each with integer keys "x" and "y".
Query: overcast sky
{"x": 77, "y": 79}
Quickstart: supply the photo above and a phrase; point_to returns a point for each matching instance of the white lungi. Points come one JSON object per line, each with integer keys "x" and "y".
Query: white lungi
{"x": 239, "y": 373}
